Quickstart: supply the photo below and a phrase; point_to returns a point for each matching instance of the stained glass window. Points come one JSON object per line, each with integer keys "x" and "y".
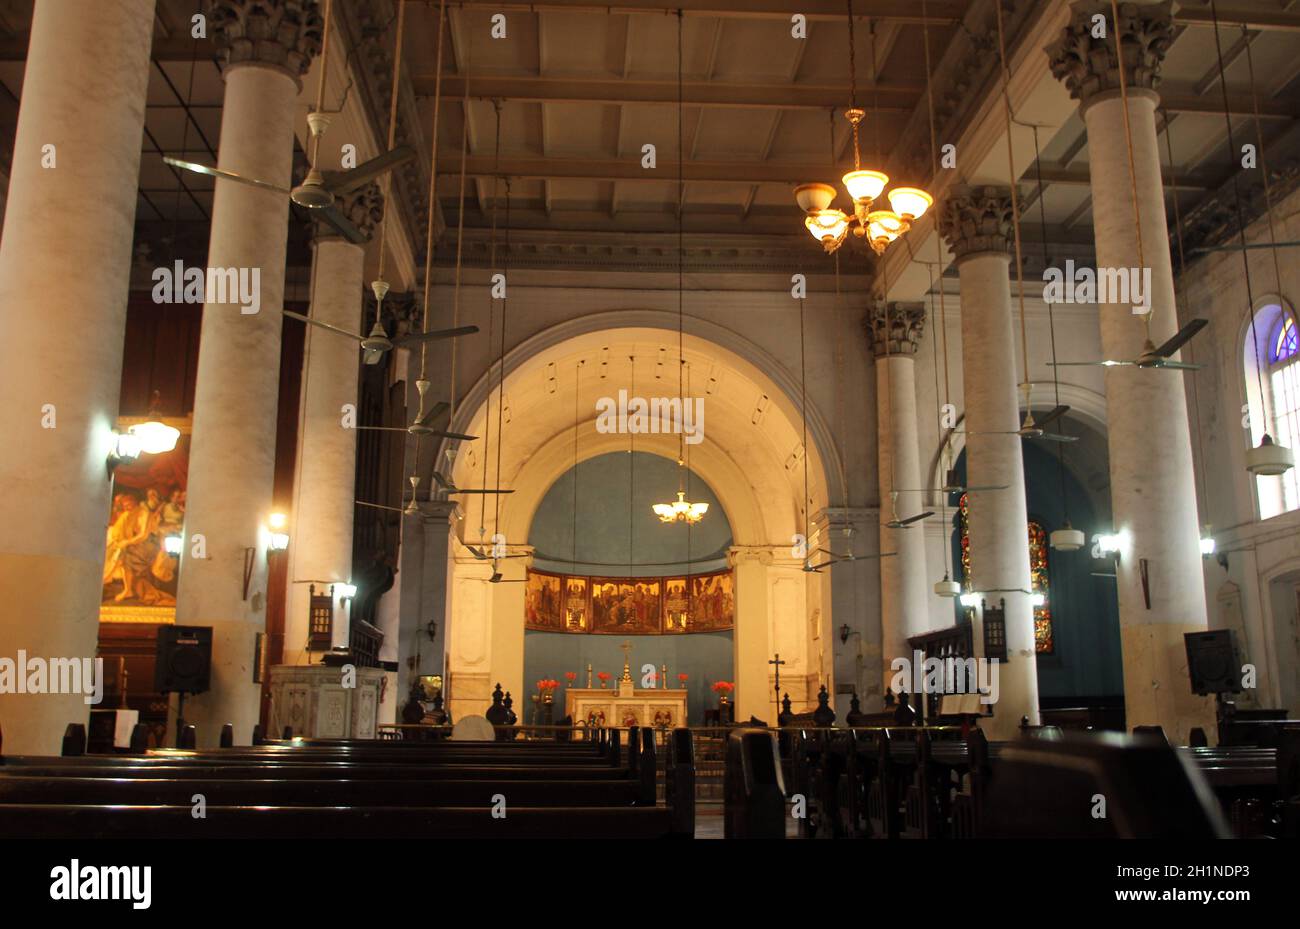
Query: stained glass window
{"x": 1284, "y": 343}
{"x": 1044, "y": 642}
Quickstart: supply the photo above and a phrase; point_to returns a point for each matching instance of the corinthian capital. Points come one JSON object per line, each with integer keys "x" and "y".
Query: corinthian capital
{"x": 978, "y": 219}
{"x": 363, "y": 207}
{"x": 1086, "y": 61}
{"x": 895, "y": 328}
{"x": 285, "y": 34}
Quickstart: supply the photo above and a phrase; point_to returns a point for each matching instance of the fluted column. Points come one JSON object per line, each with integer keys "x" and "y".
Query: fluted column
{"x": 977, "y": 224}
{"x": 1153, "y": 496}
{"x": 267, "y": 46}
{"x": 324, "y": 485}
{"x": 895, "y": 329}
{"x": 65, "y": 258}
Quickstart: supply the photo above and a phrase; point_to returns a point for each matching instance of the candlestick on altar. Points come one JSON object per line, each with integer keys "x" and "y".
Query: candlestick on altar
{"x": 663, "y": 676}
{"x": 627, "y": 661}
{"x": 589, "y": 675}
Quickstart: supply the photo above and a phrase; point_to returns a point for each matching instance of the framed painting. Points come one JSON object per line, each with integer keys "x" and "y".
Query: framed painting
{"x": 713, "y": 602}
{"x": 577, "y": 604}
{"x": 676, "y": 605}
{"x": 625, "y": 606}
{"x": 543, "y": 605}
{"x": 145, "y": 532}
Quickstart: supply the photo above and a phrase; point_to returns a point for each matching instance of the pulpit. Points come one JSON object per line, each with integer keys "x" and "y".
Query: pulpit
{"x": 626, "y": 705}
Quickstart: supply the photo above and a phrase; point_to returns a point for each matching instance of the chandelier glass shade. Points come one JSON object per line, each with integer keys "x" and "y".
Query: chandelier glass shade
{"x": 880, "y": 228}
{"x": 680, "y": 511}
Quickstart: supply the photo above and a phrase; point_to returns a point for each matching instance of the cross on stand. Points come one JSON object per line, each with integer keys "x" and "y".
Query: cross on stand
{"x": 777, "y": 661}
{"x": 627, "y": 657}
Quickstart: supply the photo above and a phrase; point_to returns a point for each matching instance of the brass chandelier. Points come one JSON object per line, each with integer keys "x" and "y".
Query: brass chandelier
{"x": 880, "y": 228}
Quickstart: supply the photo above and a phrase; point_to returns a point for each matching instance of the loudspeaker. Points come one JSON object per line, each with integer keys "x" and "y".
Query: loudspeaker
{"x": 182, "y": 659}
{"x": 1213, "y": 663}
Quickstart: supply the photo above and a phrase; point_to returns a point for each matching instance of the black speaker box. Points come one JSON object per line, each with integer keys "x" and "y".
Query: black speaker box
{"x": 183, "y": 659}
{"x": 1213, "y": 662}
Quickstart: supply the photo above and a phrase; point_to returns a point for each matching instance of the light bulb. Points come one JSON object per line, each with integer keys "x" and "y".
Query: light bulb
{"x": 910, "y": 202}
{"x": 155, "y": 437}
{"x": 865, "y": 185}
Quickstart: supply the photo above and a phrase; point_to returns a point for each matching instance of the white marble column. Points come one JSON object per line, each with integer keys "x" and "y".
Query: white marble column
{"x": 65, "y": 257}
{"x": 320, "y": 541}
{"x": 1152, "y": 487}
{"x": 895, "y": 329}
{"x": 424, "y": 575}
{"x": 978, "y": 229}
{"x": 266, "y": 50}
{"x": 753, "y": 633}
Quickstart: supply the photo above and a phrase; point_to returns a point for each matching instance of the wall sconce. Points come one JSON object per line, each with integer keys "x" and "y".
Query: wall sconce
{"x": 172, "y": 544}
{"x": 279, "y": 539}
{"x": 970, "y": 599}
{"x": 345, "y": 591}
{"x": 845, "y": 632}
{"x": 1107, "y": 545}
{"x": 1207, "y": 542}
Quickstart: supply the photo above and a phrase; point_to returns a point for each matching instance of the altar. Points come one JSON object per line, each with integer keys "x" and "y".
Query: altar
{"x": 625, "y": 705}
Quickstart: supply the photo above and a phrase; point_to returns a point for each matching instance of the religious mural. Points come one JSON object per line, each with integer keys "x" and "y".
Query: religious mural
{"x": 147, "y": 507}
{"x": 629, "y": 606}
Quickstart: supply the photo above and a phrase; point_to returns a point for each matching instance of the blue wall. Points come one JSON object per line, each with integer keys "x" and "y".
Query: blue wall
{"x": 1085, "y": 609}
{"x": 655, "y": 549}
{"x": 705, "y": 656}
{"x": 604, "y": 484}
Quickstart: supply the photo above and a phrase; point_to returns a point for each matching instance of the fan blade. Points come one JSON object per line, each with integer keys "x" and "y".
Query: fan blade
{"x": 382, "y": 428}
{"x": 450, "y": 492}
{"x": 442, "y": 481}
{"x": 1180, "y": 337}
{"x": 1052, "y": 437}
{"x": 455, "y": 435}
{"x": 415, "y": 338}
{"x": 1091, "y": 364}
{"x": 1177, "y": 365}
{"x": 378, "y": 506}
{"x": 1054, "y": 414}
{"x": 434, "y": 411}
{"x": 477, "y": 553}
{"x": 819, "y": 565}
{"x": 917, "y": 518}
{"x": 224, "y": 174}
{"x": 346, "y": 181}
{"x": 345, "y": 227}
{"x": 322, "y": 325}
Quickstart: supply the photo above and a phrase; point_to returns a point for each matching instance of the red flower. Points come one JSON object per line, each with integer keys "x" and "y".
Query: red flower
{"x": 603, "y": 675}
{"x": 570, "y": 676}
{"x": 682, "y": 678}
{"x": 723, "y": 687}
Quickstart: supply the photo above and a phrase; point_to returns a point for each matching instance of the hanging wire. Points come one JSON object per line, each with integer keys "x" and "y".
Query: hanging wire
{"x": 1051, "y": 315}
{"x": 433, "y": 193}
{"x": 853, "y": 69}
{"x": 1128, "y": 142}
{"x": 577, "y": 393}
{"x": 492, "y": 263}
{"x": 392, "y": 141}
{"x": 803, "y": 402}
{"x": 631, "y": 469}
{"x": 1015, "y": 196}
{"x": 1241, "y": 220}
{"x": 320, "y": 85}
{"x": 460, "y": 223}
{"x": 1198, "y": 471}
{"x": 1263, "y": 162}
{"x": 501, "y": 365}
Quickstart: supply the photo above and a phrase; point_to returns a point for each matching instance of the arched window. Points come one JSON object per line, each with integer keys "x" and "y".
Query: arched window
{"x": 1044, "y": 641}
{"x": 1278, "y": 410}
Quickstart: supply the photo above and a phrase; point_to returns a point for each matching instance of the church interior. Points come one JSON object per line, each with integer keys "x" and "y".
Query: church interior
{"x": 700, "y": 418}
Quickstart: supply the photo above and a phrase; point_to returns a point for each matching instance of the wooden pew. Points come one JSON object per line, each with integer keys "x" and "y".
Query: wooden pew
{"x": 753, "y": 788}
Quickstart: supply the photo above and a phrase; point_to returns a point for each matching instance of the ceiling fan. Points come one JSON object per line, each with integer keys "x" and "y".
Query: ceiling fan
{"x": 482, "y": 554}
{"x": 377, "y": 342}
{"x": 897, "y": 523}
{"x": 951, "y": 485}
{"x": 834, "y": 559}
{"x": 425, "y": 417}
{"x": 1152, "y": 357}
{"x": 449, "y": 488}
{"x": 1029, "y": 429}
{"x": 411, "y": 509}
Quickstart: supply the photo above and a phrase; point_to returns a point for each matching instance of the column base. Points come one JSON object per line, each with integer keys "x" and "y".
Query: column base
{"x": 1157, "y": 689}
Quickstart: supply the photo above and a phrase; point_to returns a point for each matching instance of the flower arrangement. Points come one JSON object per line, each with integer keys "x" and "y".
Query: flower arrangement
{"x": 546, "y": 685}
{"x": 570, "y": 676}
{"x": 603, "y": 676}
{"x": 681, "y": 678}
{"x": 723, "y": 687}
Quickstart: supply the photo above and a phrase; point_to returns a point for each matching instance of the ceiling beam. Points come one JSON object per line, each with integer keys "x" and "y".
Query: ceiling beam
{"x": 939, "y": 12}
{"x": 1238, "y": 104}
{"x": 1080, "y": 178}
{"x": 629, "y": 169}
{"x": 893, "y": 97}
{"x": 1262, "y": 20}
